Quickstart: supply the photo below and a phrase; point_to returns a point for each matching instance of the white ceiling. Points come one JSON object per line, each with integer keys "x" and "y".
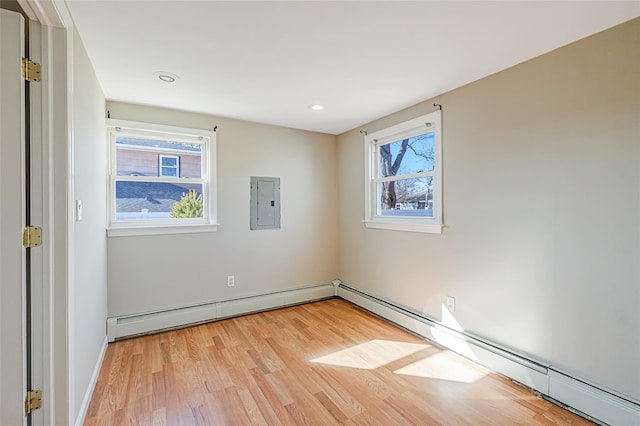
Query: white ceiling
{"x": 268, "y": 61}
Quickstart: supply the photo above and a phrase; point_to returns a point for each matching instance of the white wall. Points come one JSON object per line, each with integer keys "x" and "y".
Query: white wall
{"x": 148, "y": 273}
{"x": 542, "y": 206}
{"x": 88, "y": 291}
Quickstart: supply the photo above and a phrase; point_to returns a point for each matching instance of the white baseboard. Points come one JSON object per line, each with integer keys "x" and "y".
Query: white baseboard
{"x": 92, "y": 385}
{"x": 588, "y": 399}
{"x": 132, "y": 325}
{"x": 593, "y": 401}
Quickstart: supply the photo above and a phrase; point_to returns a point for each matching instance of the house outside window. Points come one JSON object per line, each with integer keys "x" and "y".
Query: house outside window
{"x": 403, "y": 176}
{"x": 162, "y": 179}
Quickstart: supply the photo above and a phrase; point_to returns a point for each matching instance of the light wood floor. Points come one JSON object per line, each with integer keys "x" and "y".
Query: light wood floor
{"x": 320, "y": 364}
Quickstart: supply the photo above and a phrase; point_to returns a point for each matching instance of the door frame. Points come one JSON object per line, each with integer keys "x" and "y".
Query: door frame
{"x": 51, "y": 106}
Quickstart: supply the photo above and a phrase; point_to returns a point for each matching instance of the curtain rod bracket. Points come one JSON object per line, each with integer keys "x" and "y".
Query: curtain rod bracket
{"x": 364, "y": 132}
{"x": 215, "y": 128}
{"x": 438, "y": 106}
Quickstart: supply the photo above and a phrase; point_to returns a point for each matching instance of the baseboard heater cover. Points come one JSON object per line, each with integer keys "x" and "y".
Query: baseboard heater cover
{"x": 152, "y": 322}
{"x": 598, "y": 403}
{"x": 585, "y": 398}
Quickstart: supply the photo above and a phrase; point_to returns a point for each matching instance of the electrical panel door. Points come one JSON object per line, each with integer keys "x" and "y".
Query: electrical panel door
{"x": 265, "y": 203}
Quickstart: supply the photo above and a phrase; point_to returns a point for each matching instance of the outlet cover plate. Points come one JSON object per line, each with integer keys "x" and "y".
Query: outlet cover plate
{"x": 451, "y": 304}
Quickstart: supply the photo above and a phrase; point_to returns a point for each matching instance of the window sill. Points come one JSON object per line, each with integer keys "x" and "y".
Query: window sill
{"x": 407, "y": 226}
{"x": 129, "y": 231}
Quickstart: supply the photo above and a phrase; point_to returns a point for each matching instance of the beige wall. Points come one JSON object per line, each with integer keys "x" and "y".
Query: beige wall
{"x": 148, "y": 273}
{"x": 542, "y": 206}
{"x": 89, "y": 291}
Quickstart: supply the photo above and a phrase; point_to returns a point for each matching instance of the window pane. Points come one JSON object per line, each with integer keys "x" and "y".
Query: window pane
{"x": 407, "y": 156}
{"x": 406, "y": 197}
{"x": 169, "y": 171}
{"x": 169, "y": 161}
{"x": 158, "y": 200}
{"x": 140, "y": 157}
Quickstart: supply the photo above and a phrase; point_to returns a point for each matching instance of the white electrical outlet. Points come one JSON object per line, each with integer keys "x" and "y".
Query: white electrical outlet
{"x": 231, "y": 281}
{"x": 451, "y": 304}
{"x": 78, "y": 210}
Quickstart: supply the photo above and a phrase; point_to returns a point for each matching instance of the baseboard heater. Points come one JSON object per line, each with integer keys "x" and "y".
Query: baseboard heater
{"x": 587, "y": 399}
{"x": 153, "y": 322}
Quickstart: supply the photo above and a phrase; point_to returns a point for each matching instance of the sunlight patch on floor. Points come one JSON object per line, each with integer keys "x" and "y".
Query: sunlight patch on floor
{"x": 371, "y": 355}
{"x": 444, "y": 366}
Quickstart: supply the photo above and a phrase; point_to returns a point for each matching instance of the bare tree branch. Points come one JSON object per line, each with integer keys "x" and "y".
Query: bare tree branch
{"x": 430, "y": 155}
{"x": 399, "y": 156}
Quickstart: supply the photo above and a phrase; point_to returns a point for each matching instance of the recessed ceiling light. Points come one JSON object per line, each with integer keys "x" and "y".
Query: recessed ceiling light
{"x": 316, "y": 107}
{"x": 166, "y": 77}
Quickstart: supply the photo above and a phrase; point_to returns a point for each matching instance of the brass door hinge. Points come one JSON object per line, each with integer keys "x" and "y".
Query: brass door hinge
{"x": 32, "y": 401}
{"x": 30, "y": 70}
{"x": 31, "y": 237}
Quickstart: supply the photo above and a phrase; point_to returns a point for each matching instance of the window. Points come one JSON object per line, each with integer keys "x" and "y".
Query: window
{"x": 161, "y": 179}
{"x": 169, "y": 165}
{"x": 403, "y": 176}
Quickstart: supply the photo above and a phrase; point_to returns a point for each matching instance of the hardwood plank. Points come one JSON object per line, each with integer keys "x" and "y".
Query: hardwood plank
{"x": 332, "y": 408}
{"x": 326, "y": 363}
{"x": 272, "y": 397}
{"x": 250, "y": 406}
{"x": 412, "y": 412}
{"x": 159, "y": 417}
{"x": 298, "y": 417}
{"x": 237, "y": 409}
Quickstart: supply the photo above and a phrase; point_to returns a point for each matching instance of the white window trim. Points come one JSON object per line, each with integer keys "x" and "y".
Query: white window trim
{"x": 414, "y": 127}
{"x": 128, "y": 231}
{"x": 168, "y": 226}
{"x": 160, "y": 166}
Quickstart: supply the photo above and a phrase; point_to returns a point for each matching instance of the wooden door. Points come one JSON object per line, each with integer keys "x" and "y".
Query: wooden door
{"x": 13, "y": 369}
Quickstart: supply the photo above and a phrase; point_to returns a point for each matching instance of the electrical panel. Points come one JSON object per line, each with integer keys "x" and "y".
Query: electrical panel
{"x": 265, "y": 203}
